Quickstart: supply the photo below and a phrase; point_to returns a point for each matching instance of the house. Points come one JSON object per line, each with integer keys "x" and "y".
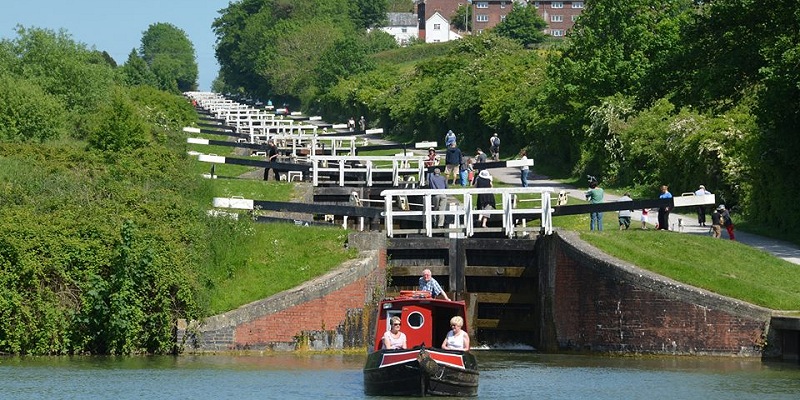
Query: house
{"x": 434, "y": 19}
{"x": 559, "y": 15}
{"x": 437, "y": 29}
{"x": 403, "y": 26}
{"x": 486, "y": 14}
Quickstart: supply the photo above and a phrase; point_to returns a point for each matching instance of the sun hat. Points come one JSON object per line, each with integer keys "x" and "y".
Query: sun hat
{"x": 702, "y": 187}
{"x": 721, "y": 207}
{"x": 485, "y": 174}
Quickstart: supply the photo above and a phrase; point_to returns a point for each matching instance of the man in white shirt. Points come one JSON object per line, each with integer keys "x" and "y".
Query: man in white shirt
{"x": 701, "y": 210}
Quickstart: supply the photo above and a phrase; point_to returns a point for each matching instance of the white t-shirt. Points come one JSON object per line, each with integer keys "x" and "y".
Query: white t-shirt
{"x": 455, "y": 342}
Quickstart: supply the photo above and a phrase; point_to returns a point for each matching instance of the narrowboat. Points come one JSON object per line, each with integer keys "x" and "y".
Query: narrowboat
{"x": 423, "y": 368}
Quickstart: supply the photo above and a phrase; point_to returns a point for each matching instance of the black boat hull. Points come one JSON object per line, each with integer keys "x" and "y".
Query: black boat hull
{"x": 421, "y": 372}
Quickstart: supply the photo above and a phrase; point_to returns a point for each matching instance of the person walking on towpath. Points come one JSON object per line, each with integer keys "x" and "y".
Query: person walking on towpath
{"x": 701, "y": 210}
{"x": 449, "y": 139}
{"x": 362, "y": 125}
{"x": 663, "y": 212}
{"x": 595, "y": 196}
{"x": 727, "y": 222}
{"x": 523, "y": 171}
{"x": 452, "y": 161}
{"x": 624, "y": 216}
{"x": 494, "y": 143}
{"x": 272, "y": 156}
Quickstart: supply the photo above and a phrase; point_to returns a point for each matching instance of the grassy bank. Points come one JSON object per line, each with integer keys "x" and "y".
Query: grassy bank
{"x": 721, "y": 266}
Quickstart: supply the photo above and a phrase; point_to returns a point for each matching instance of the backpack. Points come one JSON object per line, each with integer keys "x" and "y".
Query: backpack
{"x": 496, "y": 141}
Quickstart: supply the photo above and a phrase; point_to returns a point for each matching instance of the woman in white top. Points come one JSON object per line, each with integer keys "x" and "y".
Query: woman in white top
{"x": 456, "y": 339}
{"x": 393, "y": 338}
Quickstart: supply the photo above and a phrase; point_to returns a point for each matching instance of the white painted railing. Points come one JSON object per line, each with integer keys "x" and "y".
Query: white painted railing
{"x": 463, "y": 213}
{"x": 398, "y": 166}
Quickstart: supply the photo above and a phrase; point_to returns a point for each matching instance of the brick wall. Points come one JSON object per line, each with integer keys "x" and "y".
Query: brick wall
{"x": 325, "y": 313}
{"x": 598, "y": 303}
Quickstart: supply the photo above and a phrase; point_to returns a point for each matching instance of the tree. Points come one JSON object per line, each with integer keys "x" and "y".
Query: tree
{"x": 136, "y": 71}
{"x": 170, "y": 55}
{"x": 347, "y": 56}
{"x": 522, "y": 24}
{"x": 369, "y": 13}
{"x": 119, "y": 126}
{"x": 461, "y": 18}
{"x": 27, "y": 113}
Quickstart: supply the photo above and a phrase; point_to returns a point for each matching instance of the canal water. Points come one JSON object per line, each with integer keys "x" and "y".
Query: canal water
{"x": 504, "y": 375}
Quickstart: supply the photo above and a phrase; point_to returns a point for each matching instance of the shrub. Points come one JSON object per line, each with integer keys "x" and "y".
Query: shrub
{"x": 27, "y": 113}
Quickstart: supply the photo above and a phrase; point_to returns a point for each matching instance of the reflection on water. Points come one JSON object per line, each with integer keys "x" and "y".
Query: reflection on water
{"x": 504, "y": 375}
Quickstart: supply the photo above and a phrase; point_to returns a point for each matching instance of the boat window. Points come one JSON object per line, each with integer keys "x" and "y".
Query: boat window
{"x": 415, "y": 320}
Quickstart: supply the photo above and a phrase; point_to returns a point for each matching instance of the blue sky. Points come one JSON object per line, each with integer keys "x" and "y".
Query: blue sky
{"x": 116, "y": 26}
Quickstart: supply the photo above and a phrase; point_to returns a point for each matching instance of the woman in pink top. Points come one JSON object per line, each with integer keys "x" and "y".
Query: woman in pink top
{"x": 393, "y": 338}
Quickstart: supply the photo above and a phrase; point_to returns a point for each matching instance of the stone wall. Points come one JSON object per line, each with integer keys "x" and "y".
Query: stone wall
{"x": 594, "y": 302}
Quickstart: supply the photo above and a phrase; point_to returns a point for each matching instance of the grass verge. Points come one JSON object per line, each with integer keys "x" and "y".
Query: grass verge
{"x": 721, "y": 266}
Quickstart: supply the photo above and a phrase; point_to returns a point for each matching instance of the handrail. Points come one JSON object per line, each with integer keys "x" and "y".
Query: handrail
{"x": 464, "y": 216}
{"x": 413, "y": 166}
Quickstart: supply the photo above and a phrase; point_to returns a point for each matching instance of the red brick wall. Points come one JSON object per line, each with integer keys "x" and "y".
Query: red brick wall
{"x": 606, "y": 310}
{"x": 320, "y": 314}
{"x": 324, "y": 313}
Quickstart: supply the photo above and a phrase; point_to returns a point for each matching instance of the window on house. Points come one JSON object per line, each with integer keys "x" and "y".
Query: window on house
{"x": 556, "y": 18}
{"x": 437, "y": 27}
{"x": 536, "y": 4}
{"x": 577, "y": 4}
{"x": 502, "y": 4}
{"x": 482, "y": 4}
{"x": 557, "y": 4}
{"x": 482, "y": 18}
{"x": 503, "y": 18}
{"x": 574, "y": 17}
{"x": 557, "y": 32}
{"x": 404, "y": 30}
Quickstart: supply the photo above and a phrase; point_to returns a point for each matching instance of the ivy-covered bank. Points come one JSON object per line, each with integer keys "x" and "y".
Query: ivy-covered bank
{"x": 102, "y": 243}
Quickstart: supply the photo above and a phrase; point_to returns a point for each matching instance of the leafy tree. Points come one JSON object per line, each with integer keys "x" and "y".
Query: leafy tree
{"x": 400, "y": 6}
{"x": 237, "y": 65}
{"x": 378, "y": 41}
{"x": 522, "y": 24}
{"x": 136, "y": 71}
{"x": 27, "y": 113}
{"x": 119, "y": 126}
{"x": 346, "y": 57}
{"x": 170, "y": 55}
{"x": 461, "y": 18}
{"x": 61, "y": 67}
{"x": 614, "y": 48}
{"x": 369, "y": 13}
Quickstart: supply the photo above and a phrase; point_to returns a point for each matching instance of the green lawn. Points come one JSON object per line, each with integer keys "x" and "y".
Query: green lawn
{"x": 721, "y": 266}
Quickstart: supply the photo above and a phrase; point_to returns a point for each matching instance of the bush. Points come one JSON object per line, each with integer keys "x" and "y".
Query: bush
{"x": 118, "y": 126}
{"x": 27, "y": 113}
